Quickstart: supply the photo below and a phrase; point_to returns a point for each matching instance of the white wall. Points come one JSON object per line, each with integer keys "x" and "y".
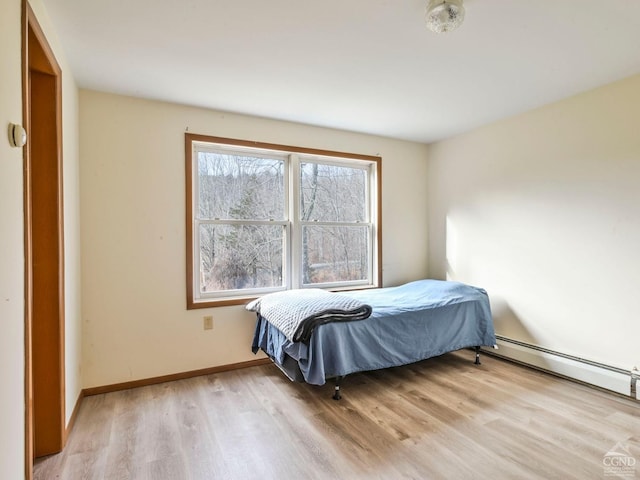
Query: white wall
{"x": 543, "y": 210}
{"x": 11, "y": 250}
{"x": 133, "y": 232}
{"x": 12, "y": 407}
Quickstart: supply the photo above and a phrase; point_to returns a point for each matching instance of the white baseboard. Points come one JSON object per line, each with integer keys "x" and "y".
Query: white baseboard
{"x": 603, "y": 376}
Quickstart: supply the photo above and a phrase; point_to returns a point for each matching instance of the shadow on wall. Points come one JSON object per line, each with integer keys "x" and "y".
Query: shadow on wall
{"x": 461, "y": 262}
{"x": 459, "y": 265}
{"x": 507, "y": 322}
{"x": 509, "y": 325}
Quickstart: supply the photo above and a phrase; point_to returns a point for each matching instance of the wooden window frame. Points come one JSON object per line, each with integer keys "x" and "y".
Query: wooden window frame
{"x": 376, "y": 215}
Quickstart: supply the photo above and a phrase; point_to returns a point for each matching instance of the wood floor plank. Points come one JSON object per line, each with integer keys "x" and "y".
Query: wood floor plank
{"x": 441, "y": 418}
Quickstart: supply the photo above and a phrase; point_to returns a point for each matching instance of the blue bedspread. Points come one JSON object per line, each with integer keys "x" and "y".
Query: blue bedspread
{"x": 408, "y": 323}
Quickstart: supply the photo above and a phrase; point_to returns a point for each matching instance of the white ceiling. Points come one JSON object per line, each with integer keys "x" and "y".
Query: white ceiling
{"x": 362, "y": 65}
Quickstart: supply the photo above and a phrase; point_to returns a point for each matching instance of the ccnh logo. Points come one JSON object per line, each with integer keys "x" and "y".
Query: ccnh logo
{"x": 618, "y": 462}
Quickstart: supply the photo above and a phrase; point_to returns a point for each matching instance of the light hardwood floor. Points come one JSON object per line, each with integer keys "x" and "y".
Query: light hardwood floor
{"x": 443, "y": 418}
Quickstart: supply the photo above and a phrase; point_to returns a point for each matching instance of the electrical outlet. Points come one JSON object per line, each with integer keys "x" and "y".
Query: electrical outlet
{"x": 207, "y": 321}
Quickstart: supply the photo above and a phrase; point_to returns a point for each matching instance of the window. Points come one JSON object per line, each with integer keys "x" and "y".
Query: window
{"x": 263, "y": 218}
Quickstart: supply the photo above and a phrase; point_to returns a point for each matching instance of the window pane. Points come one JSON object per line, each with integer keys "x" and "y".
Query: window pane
{"x": 240, "y": 256}
{"x": 240, "y": 187}
{"x": 334, "y": 254}
{"x": 332, "y": 193}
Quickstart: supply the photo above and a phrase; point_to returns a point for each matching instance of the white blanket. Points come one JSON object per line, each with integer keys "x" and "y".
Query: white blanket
{"x": 297, "y": 312}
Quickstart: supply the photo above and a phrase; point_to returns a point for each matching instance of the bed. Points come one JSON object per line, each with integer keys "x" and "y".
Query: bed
{"x": 407, "y": 323}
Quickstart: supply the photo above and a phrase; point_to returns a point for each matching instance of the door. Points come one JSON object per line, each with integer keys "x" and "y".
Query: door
{"x": 44, "y": 245}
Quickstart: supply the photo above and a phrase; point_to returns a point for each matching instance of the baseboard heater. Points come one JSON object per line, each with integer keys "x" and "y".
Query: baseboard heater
{"x": 587, "y": 371}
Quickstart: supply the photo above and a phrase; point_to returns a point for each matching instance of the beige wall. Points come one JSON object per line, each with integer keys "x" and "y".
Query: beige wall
{"x": 543, "y": 210}
{"x": 11, "y": 238}
{"x": 133, "y": 234}
{"x": 11, "y": 250}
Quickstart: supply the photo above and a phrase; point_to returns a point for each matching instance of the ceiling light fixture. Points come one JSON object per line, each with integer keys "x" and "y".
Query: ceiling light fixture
{"x": 444, "y": 15}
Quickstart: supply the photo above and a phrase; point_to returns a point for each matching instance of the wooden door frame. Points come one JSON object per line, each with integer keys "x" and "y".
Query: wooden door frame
{"x": 41, "y": 73}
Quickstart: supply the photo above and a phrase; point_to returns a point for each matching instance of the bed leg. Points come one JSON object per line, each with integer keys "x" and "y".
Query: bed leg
{"x": 477, "y": 362}
{"x": 336, "y": 393}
